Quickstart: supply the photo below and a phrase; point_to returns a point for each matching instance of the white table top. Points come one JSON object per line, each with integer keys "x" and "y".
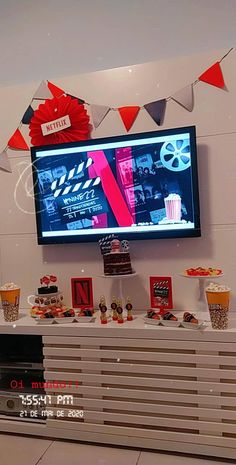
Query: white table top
{"x": 130, "y": 329}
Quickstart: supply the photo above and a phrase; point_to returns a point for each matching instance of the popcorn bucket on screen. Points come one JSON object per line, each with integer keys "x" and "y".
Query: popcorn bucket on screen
{"x": 173, "y": 207}
{"x": 218, "y": 305}
{"x": 10, "y": 303}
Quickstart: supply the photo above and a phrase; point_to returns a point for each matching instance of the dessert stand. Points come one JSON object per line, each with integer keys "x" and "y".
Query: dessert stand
{"x": 119, "y": 279}
{"x": 203, "y": 281}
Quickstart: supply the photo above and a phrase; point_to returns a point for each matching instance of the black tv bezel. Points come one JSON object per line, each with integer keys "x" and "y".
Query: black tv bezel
{"x": 173, "y": 234}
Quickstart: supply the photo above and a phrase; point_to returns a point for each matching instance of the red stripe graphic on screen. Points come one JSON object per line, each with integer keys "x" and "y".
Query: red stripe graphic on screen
{"x": 98, "y": 221}
{"x": 125, "y": 176}
{"x": 111, "y": 188}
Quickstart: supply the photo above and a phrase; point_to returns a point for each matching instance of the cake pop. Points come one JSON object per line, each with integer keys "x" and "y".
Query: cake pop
{"x": 120, "y": 312}
{"x": 103, "y": 310}
{"x": 129, "y": 308}
{"x": 114, "y": 309}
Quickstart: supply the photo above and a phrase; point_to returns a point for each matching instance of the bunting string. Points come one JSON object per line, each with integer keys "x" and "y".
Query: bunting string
{"x": 128, "y": 114}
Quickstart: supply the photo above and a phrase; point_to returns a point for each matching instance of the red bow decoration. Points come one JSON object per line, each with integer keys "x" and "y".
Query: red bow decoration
{"x": 56, "y": 108}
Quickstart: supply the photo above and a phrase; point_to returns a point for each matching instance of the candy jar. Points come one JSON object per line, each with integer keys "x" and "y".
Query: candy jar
{"x": 119, "y": 310}
{"x": 103, "y": 310}
{"x": 129, "y": 308}
{"x": 114, "y": 309}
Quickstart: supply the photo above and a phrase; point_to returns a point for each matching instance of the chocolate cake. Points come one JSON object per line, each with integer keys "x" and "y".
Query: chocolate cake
{"x": 116, "y": 256}
{"x": 117, "y": 263}
{"x": 47, "y": 290}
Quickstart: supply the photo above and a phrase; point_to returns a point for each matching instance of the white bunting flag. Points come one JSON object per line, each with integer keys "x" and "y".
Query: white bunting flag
{"x": 4, "y": 162}
{"x": 184, "y": 97}
{"x": 43, "y": 92}
{"x": 98, "y": 113}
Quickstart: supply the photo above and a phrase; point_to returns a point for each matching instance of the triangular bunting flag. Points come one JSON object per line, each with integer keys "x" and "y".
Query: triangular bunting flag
{"x": 128, "y": 115}
{"x": 43, "y": 92}
{"x": 28, "y": 115}
{"x": 56, "y": 91}
{"x": 98, "y": 113}
{"x": 184, "y": 97}
{"x": 80, "y": 100}
{"x": 213, "y": 76}
{"x": 4, "y": 162}
{"x": 156, "y": 110}
{"x": 17, "y": 141}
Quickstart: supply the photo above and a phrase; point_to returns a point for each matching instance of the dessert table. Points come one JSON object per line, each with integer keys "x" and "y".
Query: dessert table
{"x": 137, "y": 385}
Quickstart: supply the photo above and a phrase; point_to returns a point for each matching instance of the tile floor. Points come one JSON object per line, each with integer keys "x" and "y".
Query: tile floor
{"x": 17, "y": 450}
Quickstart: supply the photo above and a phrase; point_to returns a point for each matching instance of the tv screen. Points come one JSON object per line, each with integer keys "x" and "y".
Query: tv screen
{"x": 137, "y": 186}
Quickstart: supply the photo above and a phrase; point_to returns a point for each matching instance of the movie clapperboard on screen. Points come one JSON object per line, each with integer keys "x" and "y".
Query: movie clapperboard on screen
{"x": 79, "y": 199}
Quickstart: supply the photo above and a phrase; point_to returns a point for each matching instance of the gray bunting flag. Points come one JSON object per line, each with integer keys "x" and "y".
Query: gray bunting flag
{"x": 184, "y": 97}
{"x": 28, "y": 115}
{"x": 98, "y": 113}
{"x": 43, "y": 92}
{"x": 4, "y": 162}
{"x": 156, "y": 110}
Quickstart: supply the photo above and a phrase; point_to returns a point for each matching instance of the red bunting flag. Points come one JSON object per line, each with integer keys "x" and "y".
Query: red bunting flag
{"x": 80, "y": 100}
{"x": 56, "y": 91}
{"x": 17, "y": 141}
{"x": 128, "y": 115}
{"x": 213, "y": 76}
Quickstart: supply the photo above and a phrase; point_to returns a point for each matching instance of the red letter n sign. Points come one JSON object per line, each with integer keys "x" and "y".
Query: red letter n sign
{"x": 82, "y": 292}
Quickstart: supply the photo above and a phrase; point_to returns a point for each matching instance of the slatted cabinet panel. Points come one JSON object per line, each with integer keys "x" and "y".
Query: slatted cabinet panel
{"x": 164, "y": 390}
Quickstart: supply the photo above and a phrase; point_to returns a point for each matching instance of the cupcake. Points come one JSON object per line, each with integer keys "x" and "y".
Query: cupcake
{"x": 153, "y": 315}
{"x": 169, "y": 316}
{"x": 189, "y": 318}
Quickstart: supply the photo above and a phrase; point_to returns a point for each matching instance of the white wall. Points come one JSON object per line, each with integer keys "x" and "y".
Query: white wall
{"x": 23, "y": 261}
{"x": 92, "y": 35}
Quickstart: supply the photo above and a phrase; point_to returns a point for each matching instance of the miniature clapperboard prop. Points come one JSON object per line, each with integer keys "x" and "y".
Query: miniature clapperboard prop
{"x": 79, "y": 199}
{"x": 161, "y": 292}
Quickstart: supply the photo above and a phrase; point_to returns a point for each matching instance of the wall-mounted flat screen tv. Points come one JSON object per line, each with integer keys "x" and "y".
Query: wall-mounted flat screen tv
{"x": 138, "y": 186}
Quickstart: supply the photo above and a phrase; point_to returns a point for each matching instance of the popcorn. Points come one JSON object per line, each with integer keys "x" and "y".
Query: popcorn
{"x": 173, "y": 197}
{"x": 9, "y": 287}
{"x": 219, "y": 318}
{"x": 213, "y": 287}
